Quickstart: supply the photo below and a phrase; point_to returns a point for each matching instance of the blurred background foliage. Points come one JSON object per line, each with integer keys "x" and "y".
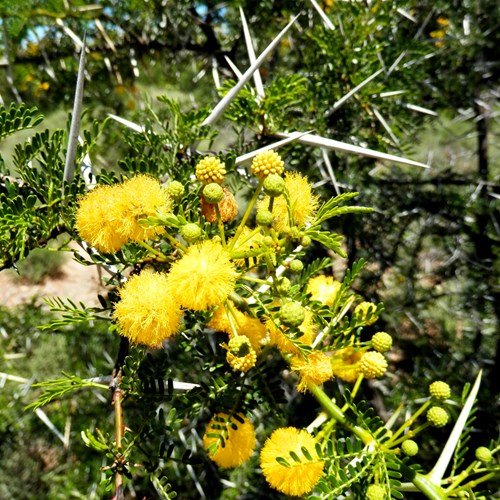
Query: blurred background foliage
{"x": 431, "y": 243}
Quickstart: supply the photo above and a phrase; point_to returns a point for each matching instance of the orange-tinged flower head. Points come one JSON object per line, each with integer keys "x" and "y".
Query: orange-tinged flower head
{"x": 228, "y": 319}
{"x": 138, "y": 198}
{"x": 228, "y": 208}
{"x": 229, "y": 441}
{"x": 303, "y": 203}
{"x": 204, "y": 277}
{"x": 210, "y": 169}
{"x": 314, "y": 369}
{"x": 324, "y": 289}
{"x": 299, "y": 478}
{"x": 98, "y": 220}
{"x": 146, "y": 312}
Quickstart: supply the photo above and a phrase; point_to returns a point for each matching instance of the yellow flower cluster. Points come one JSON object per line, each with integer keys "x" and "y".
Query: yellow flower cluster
{"x": 146, "y": 312}
{"x": 240, "y": 354}
{"x": 315, "y": 369}
{"x": 345, "y": 364}
{"x": 210, "y": 169}
{"x": 299, "y": 478}
{"x": 108, "y": 217}
{"x": 204, "y": 277}
{"x": 237, "y": 443}
{"x": 302, "y": 203}
{"x": 268, "y": 162}
{"x": 324, "y": 289}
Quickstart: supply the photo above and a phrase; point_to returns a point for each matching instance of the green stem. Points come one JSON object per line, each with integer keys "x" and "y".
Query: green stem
{"x": 160, "y": 256}
{"x": 336, "y": 413}
{"x": 355, "y": 389}
{"x": 409, "y": 422}
{"x": 246, "y": 215}
{"x": 428, "y": 488}
{"x": 175, "y": 243}
{"x": 255, "y": 280}
{"x": 220, "y": 225}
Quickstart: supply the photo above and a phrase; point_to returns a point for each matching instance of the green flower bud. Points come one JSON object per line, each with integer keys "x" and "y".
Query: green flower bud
{"x": 213, "y": 193}
{"x": 409, "y": 448}
{"x": 375, "y": 492}
{"x": 175, "y": 190}
{"x": 437, "y": 416}
{"x": 484, "y": 454}
{"x": 264, "y": 218}
{"x": 274, "y": 185}
{"x": 440, "y": 390}
{"x": 382, "y": 342}
{"x": 292, "y": 314}
{"x": 191, "y": 232}
{"x": 305, "y": 241}
{"x": 268, "y": 241}
{"x": 284, "y": 286}
{"x": 296, "y": 266}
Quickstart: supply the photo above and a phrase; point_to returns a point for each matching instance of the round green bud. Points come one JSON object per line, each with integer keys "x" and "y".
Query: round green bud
{"x": 382, "y": 342}
{"x": 268, "y": 241}
{"x": 191, "y": 232}
{"x": 264, "y": 218}
{"x": 484, "y": 454}
{"x": 274, "y": 185}
{"x": 175, "y": 190}
{"x": 440, "y": 390}
{"x": 437, "y": 416}
{"x": 213, "y": 193}
{"x": 295, "y": 233}
{"x": 375, "y": 492}
{"x": 284, "y": 286}
{"x": 296, "y": 266}
{"x": 305, "y": 241}
{"x": 409, "y": 448}
{"x": 292, "y": 314}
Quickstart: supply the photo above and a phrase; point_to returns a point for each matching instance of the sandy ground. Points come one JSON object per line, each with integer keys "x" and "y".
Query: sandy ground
{"x": 74, "y": 281}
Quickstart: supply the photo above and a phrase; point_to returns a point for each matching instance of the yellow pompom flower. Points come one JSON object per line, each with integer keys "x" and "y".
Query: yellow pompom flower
{"x": 268, "y": 162}
{"x": 279, "y": 337}
{"x": 98, "y": 220}
{"x": 315, "y": 369}
{"x": 138, "y": 198}
{"x": 345, "y": 364}
{"x": 299, "y": 478}
{"x": 146, "y": 312}
{"x": 210, "y": 169}
{"x": 204, "y": 277}
{"x": 373, "y": 364}
{"x": 240, "y": 354}
{"x": 228, "y": 319}
{"x": 229, "y": 441}
{"x": 361, "y": 310}
{"x": 324, "y": 289}
{"x": 303, "y": 203}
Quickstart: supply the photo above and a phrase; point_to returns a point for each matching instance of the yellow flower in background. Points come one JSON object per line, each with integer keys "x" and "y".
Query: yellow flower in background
{"x": 138, "y": 198}
{"x": 98, "y": 220}
{"x": 210, "y": 169}
{"x": 362, "y": 310}
{"x": 315, "y": 369}
{"x": 299, "y": 478}
{"x": 345, "y": 364}
{"x": 146, "y": 312}
{"x": 303, "y": 203}
{"x": 443, "y": 21}
{"x": 228, "y": 319}
{"x": 281, "y": 339}
{"x": 324, "y": 289}
{"x": 229, "y": 441}
{"x": 204, "y": 277}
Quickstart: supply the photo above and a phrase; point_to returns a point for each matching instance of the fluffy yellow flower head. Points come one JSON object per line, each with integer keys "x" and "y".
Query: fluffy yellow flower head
{"x": 299, "y": 478}
{"x": 228, "y": 319}
{"x": 316, "y": 369}
{"x": 146, "y": 312}
{"x": 324, "y": 289}
{"x": 228, "y": 441}
{"x": 204, "y": 277}
{"x": 98, "y": 220}
{"x": 281, "y": 340}
{"x": 210, "y": 169}
{"x": 138, "y": 198}
{"x": 267, "y": 163}
{"x": 303, "y": 203}
{"x": 345, "y": 364}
